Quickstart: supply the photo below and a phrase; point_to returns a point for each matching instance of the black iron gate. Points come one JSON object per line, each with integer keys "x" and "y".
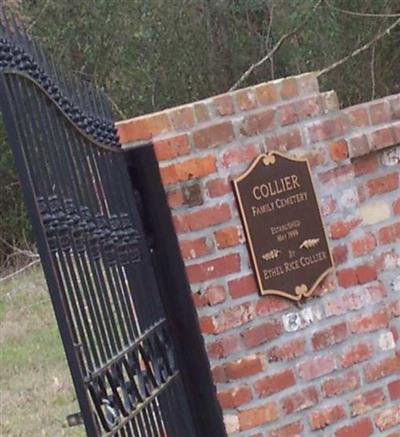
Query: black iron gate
{"x": 109, "y": 253}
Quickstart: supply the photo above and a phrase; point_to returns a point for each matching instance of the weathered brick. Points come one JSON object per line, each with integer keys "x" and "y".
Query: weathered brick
{"x": 201, "y": 219}
{"x": 358, "y": 116}
{"x": 329, "y": 336}
{"x": 359, "y": 145}
{"x": 299, "y": 400}
{"x": 381, "y": 369}
{"x": 291, "y": 430}
{"x": 341, "y": 384}
{"x": 201, "y": 112}
{"x": 275, "y": 383}
{"x": 383, "y": 184}
{"x": 257, "y": 416}
{"x": 315, "y": 367}
{"x": 182, "y": 117}
{"x": 224, "y": 346}
{"x": 266, "y": 93}
{"x": 289, "y": 88}
{"x": 233, "y": 317}
{"x": 322, "y": 418}
{"x": 369, "y": 322}
{"x": 364, "y": 245}
{"x": 347, "y": 278}
{"x": 246, "y": 99}
{"x": 341, "y": 228}
{"x": 288, "y": 351}
{"x": 256, "y": 123}
{"x": 224, "y": 105}
{"x": 243, "y": 286}
{"x": 171, "y": 147}
{"x": 284, "y": 141}
{"x": 143, "y": 128}
{"x": 191, "y": 249}
{"x": 355, "y": 354}
{"x": 212, "y": 295}
{"x": 362, "y": 428}
{"x": 380, "y": 112}
{"x": 244, "y": 367}
{"x": 389, "y": 234}
{"x": 189, "y": 169}
{"x": 175, "y": 198}
{"x": 325, "y": 130}
{"x": 260, "y": 334}
{"x": 337, "y": 175}
{"x": 218, "y": 187}
{"x": 364, "y": 402}
{"x": 366, "y": 273}
{"x": 339, "y": 254}
{"x": 308, "y": 108}
{"x": 228, "y": 237}
{"x": 288, "y": 114}
{"x": 239, "y": 154}
{"x": 394, "y": 390}
{"x": 271, "y": 304}
{"x": 366, "y": 164}
{"x": 382, "y": 138}
{"x": 388, "y": 418}
{"x": 339, "y": 150}
{"x": 213, "y": 269}
{"x": 234, "y": 397}
{"x": 213, "y": 136}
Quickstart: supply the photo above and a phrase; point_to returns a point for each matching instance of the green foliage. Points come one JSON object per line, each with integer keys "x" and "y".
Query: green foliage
{"x": 151, "y": 54}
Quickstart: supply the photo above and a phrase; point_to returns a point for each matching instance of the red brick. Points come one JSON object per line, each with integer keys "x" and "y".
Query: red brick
{"x": 275, "y": 383}
{"x": 218, "y": 187}
{"x": 380, "y": 112}
{"x": 201, "y": 112}
{"x": 175, "y": 198}
{"x": 213, "y": 269}
{"x": 288, "y": 114}
{"x": 235, "y": 397}
{"x": 191, "y": 249}
{"x": 389, "y": 234}
{"x": 364, "y": 402}
{"x": 339, "y": 254}
{"x": 328, "y": 205}
{"x": 260, "y": 334}
{"x": 356, "y": 354}
{"x": 388, "y": 418}
{"x": 382, "y": 138}
{"x": 228, "y": 237}
{"x": 317, "y": 366}
{"x": 394, "y": 390}
{"x": 289, "y": 88}
{"x": 244, "y": 367}
{"x": 347, "y": 278}
{"x": 218, "y": 374}
{"x": 359, "y": 145}
{"x": 258, "y": 416}
{"x": 172, "y": 147}
{"x": 320, "y": 419}
{"x": 337, "y": 175}
{"x": 224, "y": 105}
{"x": 284, "y": 141}
{"x": 362, "y": 428}
{"x": 308, "y": 108}
{"x": 243, "y": 286}
{"x": 366, "y": 164}
{"x": 207, "y": 325}
{"x": 224, "y": 347}
{"x": 271, "y": 304}
{"x": 201, "y": 219}
{"x": 381, "y": 369}
{"x": 189, "y": 169}
{"x": 214, "y": 135}
{"x": 396, "y": 207}
{"x": 366, "y": 273}
{"x": 341, "y": 384}
{"x": 239, "y": 155}
{"x": 233, "y": 317}
{"x": 288, "y": 351}
{"x": 341, "y": 229}
{"x": 213, "y": 295}
{"x": 266, "y": 93}
{"x": 370, "y": 322}
{"x": 364, "y": 246}
{"x": 329, "y": 336}
{"x": 339, "y": 150}
{"x": 290, "y": 430}
{"x": 246, "y": 99}
{"x": 383, "y": 184}
{"x": 358, "y": 116}
{"x": 299, "y": 400}
{"x": 143, "y": 128}
{"x": 257, "y": 123}
{"x": 182, "y": 117}
{"x": 324, "y": 130}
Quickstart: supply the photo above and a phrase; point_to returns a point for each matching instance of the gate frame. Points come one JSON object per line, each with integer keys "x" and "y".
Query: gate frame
{"x": 175, "y": 292}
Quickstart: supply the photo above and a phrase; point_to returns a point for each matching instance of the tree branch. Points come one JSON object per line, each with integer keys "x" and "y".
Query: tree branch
{"x": 276, "y": 47}
{"x": 361, "y": 49}
{"x": 360, "y": 14}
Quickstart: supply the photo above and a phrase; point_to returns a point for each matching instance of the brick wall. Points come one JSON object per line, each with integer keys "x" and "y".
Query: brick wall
{"x": 329, "y": 366}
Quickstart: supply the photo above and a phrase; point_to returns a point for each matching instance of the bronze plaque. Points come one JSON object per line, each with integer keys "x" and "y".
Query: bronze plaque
{"x": 283, "y": 225}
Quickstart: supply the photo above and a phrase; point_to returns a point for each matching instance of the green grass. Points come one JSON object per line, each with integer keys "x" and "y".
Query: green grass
{"x": 36, "y": 388}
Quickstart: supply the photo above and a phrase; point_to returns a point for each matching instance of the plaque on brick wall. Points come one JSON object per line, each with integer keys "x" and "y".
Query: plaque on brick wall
{"x": 283, "y": 225}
